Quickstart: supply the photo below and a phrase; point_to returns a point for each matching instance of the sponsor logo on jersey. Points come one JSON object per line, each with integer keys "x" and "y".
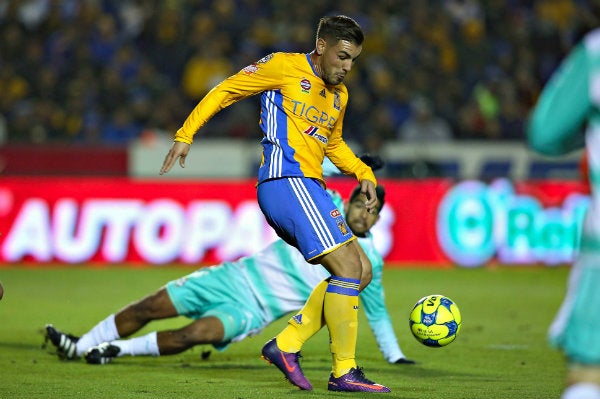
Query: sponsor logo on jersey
{"x": 250, "y": 69}
{"x": 337, "y": 100}
{"x": 305, "y": 85}
{"x": 312, "y": 132}
{"x": 265, "y": 59}
{"x": 335, "y": 213}
{"x": 322, "y": 93}
{"x": 298, "y": 318}
{"x": 313, "y": 114}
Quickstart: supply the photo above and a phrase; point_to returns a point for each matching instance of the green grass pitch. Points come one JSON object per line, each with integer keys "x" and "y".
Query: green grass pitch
{"x": 501, "y": 351}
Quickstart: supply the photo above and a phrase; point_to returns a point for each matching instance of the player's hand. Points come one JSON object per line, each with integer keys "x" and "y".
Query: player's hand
{"x": 367, "y": 188}
{"x": 404, "y": 360}
{"x": 179, "y": 151}
{"x": 375, "y": 162}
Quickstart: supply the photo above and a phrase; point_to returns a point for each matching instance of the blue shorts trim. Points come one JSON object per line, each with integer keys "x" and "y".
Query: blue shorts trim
{"x": 304, "y": 215}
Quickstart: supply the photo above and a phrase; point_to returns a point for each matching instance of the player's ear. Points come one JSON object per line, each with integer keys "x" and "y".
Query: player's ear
{"x": 320, "y": 46}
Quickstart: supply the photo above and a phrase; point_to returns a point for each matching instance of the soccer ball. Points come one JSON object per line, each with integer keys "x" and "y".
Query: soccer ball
{"x": 435, "y": 320}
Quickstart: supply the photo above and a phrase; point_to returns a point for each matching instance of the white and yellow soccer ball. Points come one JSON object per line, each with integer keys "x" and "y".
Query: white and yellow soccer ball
{"x": 435, "y": 320}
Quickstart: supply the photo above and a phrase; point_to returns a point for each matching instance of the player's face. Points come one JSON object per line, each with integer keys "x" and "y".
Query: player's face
{"x": 338, "y": 59}
{"x": 358, "y": 217}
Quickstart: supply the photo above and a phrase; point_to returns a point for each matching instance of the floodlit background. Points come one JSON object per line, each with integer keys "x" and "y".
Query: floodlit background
{"x": 95, "y": 89}
{"x": 92, "y": 91}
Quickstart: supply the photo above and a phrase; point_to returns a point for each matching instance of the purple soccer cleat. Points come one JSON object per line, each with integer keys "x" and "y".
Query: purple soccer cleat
{"x": 355, "y": 381}
{"x": 287, "y": 363}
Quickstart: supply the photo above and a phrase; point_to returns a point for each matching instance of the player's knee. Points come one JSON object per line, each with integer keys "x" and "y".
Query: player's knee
{"x": 365, "y": 279}
{"x": 351, "y": 270}
{"x": 208, "y": 330}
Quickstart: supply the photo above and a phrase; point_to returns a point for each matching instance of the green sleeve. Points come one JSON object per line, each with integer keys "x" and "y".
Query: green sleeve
{"x": 556, "y": 123}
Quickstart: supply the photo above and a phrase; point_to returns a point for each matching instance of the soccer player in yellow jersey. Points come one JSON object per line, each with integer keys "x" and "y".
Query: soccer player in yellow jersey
{"x": 303, "y": 101}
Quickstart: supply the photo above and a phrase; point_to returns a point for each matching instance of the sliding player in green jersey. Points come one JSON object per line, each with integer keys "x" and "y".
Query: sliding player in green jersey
{"x": 566, "y": 117}
{"x": 270, "y": 284}
{"x": 303, "y": 102}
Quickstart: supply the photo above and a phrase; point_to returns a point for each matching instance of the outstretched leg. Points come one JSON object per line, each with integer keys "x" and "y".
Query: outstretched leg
{"x": 207, "y": 330}
{"x": 128, "y": 320}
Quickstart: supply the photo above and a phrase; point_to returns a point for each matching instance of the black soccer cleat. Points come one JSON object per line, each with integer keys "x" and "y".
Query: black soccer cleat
{"x": 404, "y": 360}
{"x": 101, "y": 354}
{"x": 65, "y": 344}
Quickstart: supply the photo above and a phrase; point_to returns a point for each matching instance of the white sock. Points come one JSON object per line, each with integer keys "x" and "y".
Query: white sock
{"x": 146, "y": 345}
{"x": 104, "y": 331}
{"x": 582, "y": 390}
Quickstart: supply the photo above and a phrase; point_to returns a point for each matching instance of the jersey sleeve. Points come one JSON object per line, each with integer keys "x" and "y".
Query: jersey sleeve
{"x": 373, "y": 302}
{"x": 342, "y": 156}
{"x": 556, "y": 123}
{"x": 265, "y": 74}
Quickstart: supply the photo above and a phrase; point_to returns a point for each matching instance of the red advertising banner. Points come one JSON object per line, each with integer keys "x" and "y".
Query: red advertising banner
{"x": 432, "y": 222}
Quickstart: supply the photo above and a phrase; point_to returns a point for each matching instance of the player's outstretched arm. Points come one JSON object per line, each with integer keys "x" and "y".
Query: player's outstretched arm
{"x": 179, "y": 150}
{"x": 373, "y": 303}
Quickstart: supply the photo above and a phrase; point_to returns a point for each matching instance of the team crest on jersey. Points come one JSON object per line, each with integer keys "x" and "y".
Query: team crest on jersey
{"x": 305, "y": 85}
{"x": 337, "y": 100}
{"x": 335, "y": 213}
{"x": 341, "y": 224}
{"x": 265, "y": 59}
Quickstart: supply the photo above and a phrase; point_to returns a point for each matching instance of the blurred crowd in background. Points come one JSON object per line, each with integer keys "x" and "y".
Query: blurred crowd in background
{"x": 109, "y": 71}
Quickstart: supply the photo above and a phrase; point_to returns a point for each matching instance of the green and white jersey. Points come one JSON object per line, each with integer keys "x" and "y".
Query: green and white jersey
{"x": 566, "y": 117}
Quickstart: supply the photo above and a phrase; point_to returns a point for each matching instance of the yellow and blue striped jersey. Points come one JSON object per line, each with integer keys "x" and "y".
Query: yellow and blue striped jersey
{"x": 301, "y": 117}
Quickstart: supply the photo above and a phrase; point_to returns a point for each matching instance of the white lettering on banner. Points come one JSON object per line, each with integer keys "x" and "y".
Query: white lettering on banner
{"x": 246, "y": 233}
{"x": 162, "y": 230}
{"x": 208, "y": 224}
{"x": 77, "y": 242}
{"x": 120, "y": 217}
{"x": 159, "y": 234}
{"x": 30, "y": 234}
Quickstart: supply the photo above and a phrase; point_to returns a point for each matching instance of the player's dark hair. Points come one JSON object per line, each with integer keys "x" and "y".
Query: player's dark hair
{"x": 379, "y": 190}
{"x": 340, "y": 27}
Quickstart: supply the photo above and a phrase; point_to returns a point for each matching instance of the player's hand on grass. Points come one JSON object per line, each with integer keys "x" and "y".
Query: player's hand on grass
{"x": 179, "y": 151}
